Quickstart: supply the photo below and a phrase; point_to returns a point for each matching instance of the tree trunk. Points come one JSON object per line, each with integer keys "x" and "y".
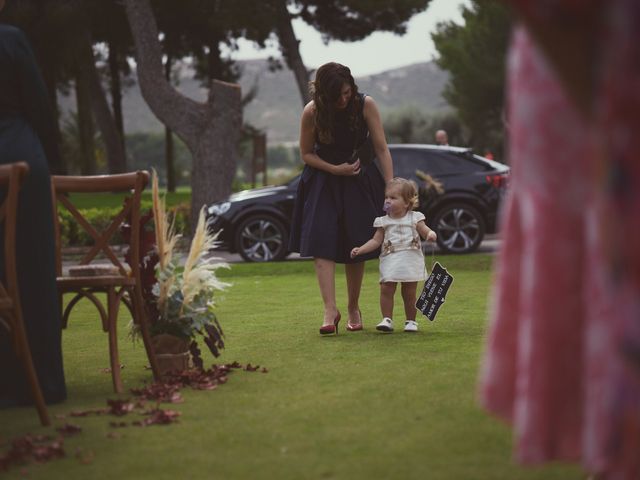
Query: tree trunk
{"x": 290, "y": 47}
{"x": 169, "y": 159}
{"x": 85, "y": 119}
{"x": 169, "y": 151}
{"x": 110, "y": 136}
{"x": 213, "y": 61}
{"x": 116, "y": 92}
{"x": 49, "y": 76}
{"x": 210, "y": 130}
{"x": 215, "y": 159}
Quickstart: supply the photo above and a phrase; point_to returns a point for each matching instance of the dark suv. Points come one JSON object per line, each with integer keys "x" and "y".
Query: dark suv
{"x": 255, "y": 223}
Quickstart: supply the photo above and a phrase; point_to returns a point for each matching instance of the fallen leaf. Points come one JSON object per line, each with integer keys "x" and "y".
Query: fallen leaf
{"x": 159, "y": 392}
{"x": 91, "y": 411}
{"x": 69, "y": 429}
{"x": 159, "y": 417}
{"x": 38, "y": 448}
{"x": 120, "y": 407}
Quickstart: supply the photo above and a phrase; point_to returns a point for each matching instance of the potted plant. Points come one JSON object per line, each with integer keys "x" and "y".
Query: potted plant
{"x": 180, "y": 303}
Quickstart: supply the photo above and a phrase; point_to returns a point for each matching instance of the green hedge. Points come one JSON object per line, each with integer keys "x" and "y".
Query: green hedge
{"x": 73, "y": 235}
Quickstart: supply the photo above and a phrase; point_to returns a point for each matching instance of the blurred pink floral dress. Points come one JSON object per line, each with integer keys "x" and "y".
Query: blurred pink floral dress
{"x": 562, "y": 362}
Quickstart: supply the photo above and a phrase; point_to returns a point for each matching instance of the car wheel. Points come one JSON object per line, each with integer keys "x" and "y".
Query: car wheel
{"x": 261, "y": 238}
{"x": 460, "y": 228}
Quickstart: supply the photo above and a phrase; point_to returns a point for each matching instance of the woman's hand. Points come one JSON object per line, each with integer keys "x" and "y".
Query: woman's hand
{"x": 347, "y": 169}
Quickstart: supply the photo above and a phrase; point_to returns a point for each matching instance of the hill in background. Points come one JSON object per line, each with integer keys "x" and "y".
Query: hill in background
{"x": 277, "y": 106}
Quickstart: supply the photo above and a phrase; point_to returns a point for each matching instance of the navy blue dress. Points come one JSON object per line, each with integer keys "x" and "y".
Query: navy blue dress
{"x": 335, "y": 213}
{"x": 27, "y": 134}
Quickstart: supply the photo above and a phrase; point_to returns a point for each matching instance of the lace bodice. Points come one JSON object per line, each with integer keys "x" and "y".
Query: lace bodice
{"x": 400, "y": 233}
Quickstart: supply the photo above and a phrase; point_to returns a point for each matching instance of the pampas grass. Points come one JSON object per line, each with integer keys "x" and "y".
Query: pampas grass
{"x": 165, "y": 241}
{"x": 199, "y": 272}
{"x": 165, "y": 238}
{"x": 185, "y": 297}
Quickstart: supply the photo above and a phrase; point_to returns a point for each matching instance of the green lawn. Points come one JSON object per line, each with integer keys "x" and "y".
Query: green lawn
{"x": 361, "y": 405}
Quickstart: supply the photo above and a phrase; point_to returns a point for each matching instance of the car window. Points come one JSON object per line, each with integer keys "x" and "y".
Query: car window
{"x": 406, "y": 161}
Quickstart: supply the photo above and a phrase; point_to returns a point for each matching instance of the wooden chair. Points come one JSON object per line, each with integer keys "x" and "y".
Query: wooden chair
{"x": 119, "y": 283}
{"x": 11, "y": 177}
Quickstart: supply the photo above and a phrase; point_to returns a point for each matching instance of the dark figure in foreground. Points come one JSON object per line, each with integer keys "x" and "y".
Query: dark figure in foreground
{"x": 27, "y": 134}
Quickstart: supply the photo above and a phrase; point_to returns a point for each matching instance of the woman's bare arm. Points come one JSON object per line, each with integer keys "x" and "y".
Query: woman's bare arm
{"x": 374, "y": 123}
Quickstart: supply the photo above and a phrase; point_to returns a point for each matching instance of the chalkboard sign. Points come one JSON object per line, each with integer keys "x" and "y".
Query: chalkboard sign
{"x": 434, "y": 291}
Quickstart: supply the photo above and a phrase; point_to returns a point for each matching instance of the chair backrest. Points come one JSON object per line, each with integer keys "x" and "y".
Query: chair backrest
{"x": 11, "y": 178}
{"x": 134, "y": 183}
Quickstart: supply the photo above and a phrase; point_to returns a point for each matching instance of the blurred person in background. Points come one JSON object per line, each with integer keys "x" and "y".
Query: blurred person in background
{"x": 442, "y": 138}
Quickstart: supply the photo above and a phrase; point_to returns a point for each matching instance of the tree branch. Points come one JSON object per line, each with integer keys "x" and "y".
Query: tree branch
{"x": 172, "y": 108}
{"x": 290, "y": 48}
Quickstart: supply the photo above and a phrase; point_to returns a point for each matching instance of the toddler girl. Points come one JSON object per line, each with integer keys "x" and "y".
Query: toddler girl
{"x": 401, "y": 259}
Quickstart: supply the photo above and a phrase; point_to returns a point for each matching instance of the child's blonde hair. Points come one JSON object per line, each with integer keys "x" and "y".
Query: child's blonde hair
{"x": 408, "y": 190}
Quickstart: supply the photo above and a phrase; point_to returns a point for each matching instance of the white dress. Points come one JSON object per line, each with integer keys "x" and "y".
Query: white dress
{"x": 401, "y": 259}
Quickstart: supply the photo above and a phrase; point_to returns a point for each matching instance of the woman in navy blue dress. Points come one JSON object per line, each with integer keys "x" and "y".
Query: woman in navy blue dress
{"x": 27, "y": 133}
{"x": 339, "y": 195}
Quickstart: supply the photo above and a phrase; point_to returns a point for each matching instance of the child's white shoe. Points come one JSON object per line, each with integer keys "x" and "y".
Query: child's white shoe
{"x": 410, "y": 326}
{"x": 386, "y": 325}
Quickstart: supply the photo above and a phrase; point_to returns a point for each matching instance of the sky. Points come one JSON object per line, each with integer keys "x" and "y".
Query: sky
{"x": 378, "y": 52}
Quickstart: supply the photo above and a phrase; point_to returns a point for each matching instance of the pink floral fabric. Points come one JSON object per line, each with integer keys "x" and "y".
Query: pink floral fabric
{"x": 562, "y": 362}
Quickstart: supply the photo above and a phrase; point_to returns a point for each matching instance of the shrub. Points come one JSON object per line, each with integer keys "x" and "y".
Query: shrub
{"x": 72, "y": 235}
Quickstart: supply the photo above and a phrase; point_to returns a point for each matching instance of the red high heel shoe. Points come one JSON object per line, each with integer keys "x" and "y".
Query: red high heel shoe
{"x": 329, "y": 329}
{"x": 355, "y": 327}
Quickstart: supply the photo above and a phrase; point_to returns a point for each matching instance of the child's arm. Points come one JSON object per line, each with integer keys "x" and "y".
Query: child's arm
{"x": 371, "y": 245}
{"x": 425, "y": 232}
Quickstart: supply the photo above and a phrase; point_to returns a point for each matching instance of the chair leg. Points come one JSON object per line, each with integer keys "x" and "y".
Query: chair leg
{"x": 141, "y": 319}
{"x": 112, "y": 314}
{"x": 65, "y": 318}
{"x": 24, "y": 352}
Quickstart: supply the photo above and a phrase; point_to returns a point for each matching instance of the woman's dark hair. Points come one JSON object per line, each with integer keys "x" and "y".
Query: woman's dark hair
{"x": 325, "y": 91}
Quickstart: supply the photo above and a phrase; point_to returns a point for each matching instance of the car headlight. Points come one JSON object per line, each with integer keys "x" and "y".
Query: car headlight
{"x": 219, "y": 208}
